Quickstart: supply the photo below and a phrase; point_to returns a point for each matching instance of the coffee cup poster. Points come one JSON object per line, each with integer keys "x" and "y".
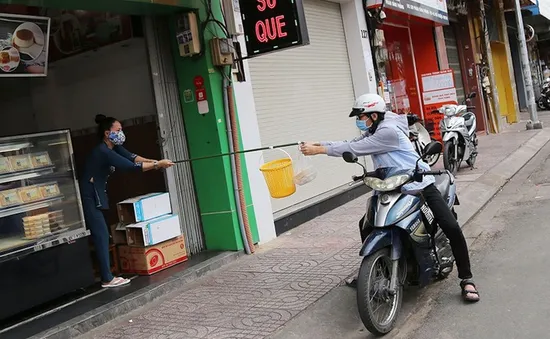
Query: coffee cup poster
{"x": 23, "y": 45}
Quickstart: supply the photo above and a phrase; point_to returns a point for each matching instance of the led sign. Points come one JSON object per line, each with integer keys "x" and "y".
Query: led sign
{"x": 272, "y": 25}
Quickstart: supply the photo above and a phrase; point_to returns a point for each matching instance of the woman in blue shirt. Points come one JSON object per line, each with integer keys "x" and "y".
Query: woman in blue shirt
{"x": 107, "y": 156}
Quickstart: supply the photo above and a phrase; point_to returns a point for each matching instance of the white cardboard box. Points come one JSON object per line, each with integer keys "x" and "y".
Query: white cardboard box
{"x": 144, "y": 207}
{"x": 153, "y": 231}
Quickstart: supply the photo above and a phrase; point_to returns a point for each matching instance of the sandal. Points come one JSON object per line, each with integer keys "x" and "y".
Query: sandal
{"x": 465, "y": 293}
{"x": 351, "y": 282}
{"x": 116, "y": 282}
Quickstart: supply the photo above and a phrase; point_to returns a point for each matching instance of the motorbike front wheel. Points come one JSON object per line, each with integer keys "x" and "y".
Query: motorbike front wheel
{"x": 378, "y": 307}
{"x": 450, "y": 159}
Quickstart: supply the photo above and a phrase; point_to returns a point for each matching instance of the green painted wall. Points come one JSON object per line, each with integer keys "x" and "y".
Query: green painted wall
{"x": 206, "y": 134}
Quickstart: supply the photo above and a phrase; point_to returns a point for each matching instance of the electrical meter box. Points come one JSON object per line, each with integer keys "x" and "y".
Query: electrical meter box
{"x": 222, "y": 51}
{"x": 187, "y": 34}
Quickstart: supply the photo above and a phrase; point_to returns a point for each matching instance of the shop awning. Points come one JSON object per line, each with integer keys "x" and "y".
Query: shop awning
{"x": 431, "y": 10}
{"x": 134, "y": 7}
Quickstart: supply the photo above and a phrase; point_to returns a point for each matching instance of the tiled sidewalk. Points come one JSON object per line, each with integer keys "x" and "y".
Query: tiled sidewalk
{"x": 255, "y": 296}
{"x": 258, "y": 294}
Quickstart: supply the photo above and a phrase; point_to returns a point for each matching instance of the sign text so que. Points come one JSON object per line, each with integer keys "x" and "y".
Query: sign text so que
{"x": 271, "y": 25}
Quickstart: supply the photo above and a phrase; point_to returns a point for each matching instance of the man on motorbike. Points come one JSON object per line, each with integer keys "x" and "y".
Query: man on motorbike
{"x": 386, "y": 139}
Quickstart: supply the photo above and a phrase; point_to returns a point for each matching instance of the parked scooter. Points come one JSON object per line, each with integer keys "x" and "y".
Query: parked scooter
{"x": 420, "y": 138}
{"x": 458, "y": 129}
{"x": 404, "y": 245}
{"x": 543, "y": 102}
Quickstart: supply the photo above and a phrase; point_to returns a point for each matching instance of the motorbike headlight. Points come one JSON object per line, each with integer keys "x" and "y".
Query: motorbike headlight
{"x": 388, "y": 184}
{"x": 449, "y": 111}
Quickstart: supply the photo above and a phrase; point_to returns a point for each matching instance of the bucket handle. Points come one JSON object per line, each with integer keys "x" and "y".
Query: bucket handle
{"x": 279, "y": 149}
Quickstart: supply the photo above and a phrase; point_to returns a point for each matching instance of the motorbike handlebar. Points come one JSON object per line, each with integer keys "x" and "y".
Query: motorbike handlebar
{"x": 433, "y": 172}
{"x": 356, "y": 178}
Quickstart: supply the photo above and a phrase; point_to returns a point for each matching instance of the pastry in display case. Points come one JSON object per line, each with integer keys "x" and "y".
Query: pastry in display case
{"x": 41, "y": 159}
{"x": 30, "y": 194}
{"x": 10, "y": 198}
{"x": 50, "y": 190}
{"x": 21, "y": 162}
{"x": 5, "y": 166}
{"x": 40, "y": 202}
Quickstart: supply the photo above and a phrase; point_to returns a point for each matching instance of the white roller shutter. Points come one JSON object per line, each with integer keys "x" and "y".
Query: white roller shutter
{"x": 306, "y": 94}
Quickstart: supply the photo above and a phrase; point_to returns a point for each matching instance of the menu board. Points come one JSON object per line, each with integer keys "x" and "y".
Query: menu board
{"x": 438, "y": 90}
{"x": 74, "y": 32}
{"x": 23, "y": 45}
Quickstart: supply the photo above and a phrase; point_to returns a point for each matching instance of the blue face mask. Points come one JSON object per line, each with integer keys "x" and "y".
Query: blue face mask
{"x": 362, "y": 125}
{"x": 118, "y": 138}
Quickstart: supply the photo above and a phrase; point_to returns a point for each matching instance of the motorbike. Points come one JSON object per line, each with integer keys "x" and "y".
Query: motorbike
{"x": 404, "y": 245}
{"x": 420, "y": 138}
{"x": 458, "y": 130}
{"x": 543, "y": 102}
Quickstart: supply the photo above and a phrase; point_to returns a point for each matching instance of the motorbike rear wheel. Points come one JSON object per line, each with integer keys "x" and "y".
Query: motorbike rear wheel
{"x": 541, "y": 104}
{"x": 432, "y": 159}
{"x": 378, "y": 308}
{"x": 450, "y": 159}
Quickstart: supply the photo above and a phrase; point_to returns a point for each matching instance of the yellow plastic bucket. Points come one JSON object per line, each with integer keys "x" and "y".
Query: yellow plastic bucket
{"x": 279, "y": 177}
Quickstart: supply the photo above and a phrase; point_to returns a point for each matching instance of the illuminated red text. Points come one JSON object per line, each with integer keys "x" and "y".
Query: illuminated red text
{"x": 270, "y": 29}
{"x": 264, "y": 4}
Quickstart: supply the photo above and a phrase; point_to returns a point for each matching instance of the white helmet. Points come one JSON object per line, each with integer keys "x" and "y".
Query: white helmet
{"x": 367, "y": 104}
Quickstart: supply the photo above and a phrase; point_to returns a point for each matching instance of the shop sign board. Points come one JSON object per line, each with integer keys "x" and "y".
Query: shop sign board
{"x": 433, "y": 10}
{"x": 273, "y": 25}
{"x": 24, "y": 44}
{"x": 438, "y": 89}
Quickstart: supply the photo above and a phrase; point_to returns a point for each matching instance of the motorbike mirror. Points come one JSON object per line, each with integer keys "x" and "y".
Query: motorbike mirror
{"x": 349, "y": 157}
{"x": 433, "y": 148}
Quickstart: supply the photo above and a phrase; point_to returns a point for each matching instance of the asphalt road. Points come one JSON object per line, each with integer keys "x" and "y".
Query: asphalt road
{"x": 510, "y": 262}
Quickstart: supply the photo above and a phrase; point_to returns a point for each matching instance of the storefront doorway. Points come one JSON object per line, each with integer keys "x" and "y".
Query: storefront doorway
{"x": 118, "y": 65}
{"x": 109, "y": 74}
{"x": 401, "y": 70}
{"x": 410, "y": 52}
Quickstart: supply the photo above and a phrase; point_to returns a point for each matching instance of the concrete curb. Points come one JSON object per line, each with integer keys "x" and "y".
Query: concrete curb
{"x": 476, "y": 196}
{"x": 102, "y": 315}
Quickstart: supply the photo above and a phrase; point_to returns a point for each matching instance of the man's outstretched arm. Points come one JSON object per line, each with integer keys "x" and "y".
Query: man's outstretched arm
{"x": 383, "y": 141}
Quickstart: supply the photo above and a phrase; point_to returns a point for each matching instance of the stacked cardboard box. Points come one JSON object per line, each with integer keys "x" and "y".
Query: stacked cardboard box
{"x": 148, "y": 235}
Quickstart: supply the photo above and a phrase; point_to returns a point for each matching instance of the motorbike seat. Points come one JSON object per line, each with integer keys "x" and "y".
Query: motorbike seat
{"x": 443, "y": 182}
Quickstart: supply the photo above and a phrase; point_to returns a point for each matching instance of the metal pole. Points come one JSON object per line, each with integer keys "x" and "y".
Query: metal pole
{"x": 534, "y": 122}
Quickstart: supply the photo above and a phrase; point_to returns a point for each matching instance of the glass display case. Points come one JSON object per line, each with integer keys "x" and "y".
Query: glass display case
{"x": 40, "y": 204}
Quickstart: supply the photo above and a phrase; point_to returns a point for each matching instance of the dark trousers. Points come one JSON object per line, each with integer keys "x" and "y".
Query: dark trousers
{"x": 449, "y": 225}
{"x": 95, "y": 221}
